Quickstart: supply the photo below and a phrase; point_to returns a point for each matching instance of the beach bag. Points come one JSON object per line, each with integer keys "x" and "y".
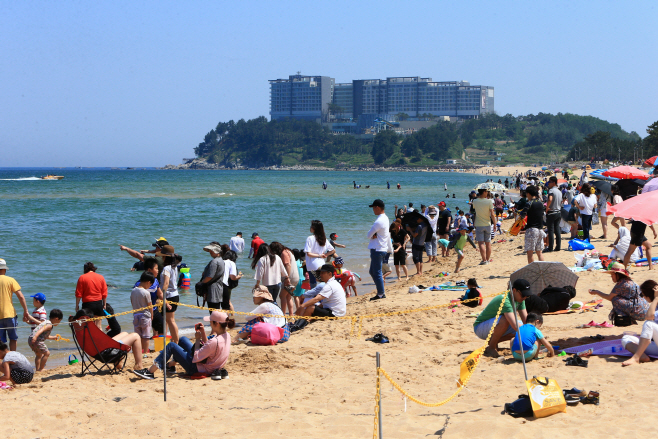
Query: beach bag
{"x": 522, "y": 407}
{"x": 579, "y": 244}
{"x": 519, "y": 224}
{"x": 546, "y": 396}
{"x": 264, "y": 334}
{"x": 621, "y": 320}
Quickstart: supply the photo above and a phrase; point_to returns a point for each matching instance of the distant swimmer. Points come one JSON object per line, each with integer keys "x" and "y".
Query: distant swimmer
{"x": 354, "y": 182}
{"x": 388, "y": 185}
{"x": 324, "y": 185}
{"x": 399, "y": 187}
{"x": 447, "y": 195}
{"x": 445, "y": 186}
{"x": 453, "y": 195}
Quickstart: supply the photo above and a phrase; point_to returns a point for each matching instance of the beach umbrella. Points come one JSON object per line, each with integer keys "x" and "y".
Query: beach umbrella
{"x": 626, "y": 172}
{"x": 627, "y": 188}
{"x": 650, "y": 162}
{"x": 561, "y": 181}
{"x": 603, "y": 186}
{"x": 643, "y": 207}
{"x": 491, "y": 186}
{"x": 541, "y": 274}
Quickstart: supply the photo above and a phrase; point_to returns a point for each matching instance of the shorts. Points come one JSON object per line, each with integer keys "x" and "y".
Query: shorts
{"x": 527, "y": 354}
{"x": 143, "y": 325}
{"x": 21, "y": 376}
{"x": 173, "y": 307}
{"x": 499, "y": 212}
{"x": 8, "y": 328}
{"x": 38, "y": 345}
{"x": 637, "y": 233}
{"x": 400, "y": 257}
{"x": 534, "y": 240}
{"x": 483, "y": 233}
{"x": 482, "y": 329}
{"x": 386, "y": 268}
{"x": 95, "y": 307}
{"x": 417, "y": 253}
{"x": 443, "y": 232}
{"x": 322, "y": 312}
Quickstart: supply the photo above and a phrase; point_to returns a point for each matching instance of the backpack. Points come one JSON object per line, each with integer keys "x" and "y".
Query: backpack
{"x": 557, "y": 298}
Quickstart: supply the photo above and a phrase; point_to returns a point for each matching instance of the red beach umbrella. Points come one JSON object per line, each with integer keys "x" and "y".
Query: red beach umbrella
{"x": 626, "y": 172}
{"x": 643, "y": 207}
{"x": 650, "y": 162}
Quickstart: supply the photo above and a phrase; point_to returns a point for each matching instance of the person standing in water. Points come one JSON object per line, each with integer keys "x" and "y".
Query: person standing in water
{"x": 388, "y": 185}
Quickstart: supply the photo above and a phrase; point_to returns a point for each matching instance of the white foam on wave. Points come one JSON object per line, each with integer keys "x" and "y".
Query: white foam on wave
{"x": 221, "y": 194}
{"x": 22, "y": 179}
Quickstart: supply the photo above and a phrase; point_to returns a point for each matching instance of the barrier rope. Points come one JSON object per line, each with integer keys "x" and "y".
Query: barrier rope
{"x": 381, "y": 371}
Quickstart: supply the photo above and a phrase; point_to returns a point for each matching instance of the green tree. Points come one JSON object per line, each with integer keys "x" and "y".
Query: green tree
{"x": 651, "y": 141}
{"x": 402, "y": 116}
{"x": 384, "y": 146}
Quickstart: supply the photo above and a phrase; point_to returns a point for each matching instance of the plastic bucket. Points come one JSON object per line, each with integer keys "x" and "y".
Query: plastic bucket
{"x": 158, "y": 343}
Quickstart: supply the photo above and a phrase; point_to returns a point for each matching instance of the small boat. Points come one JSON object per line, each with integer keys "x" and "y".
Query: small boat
{"x": 53, "y": 177}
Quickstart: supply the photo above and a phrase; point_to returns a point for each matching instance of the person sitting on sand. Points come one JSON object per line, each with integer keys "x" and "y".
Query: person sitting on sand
{"x": 505, "y": 327}
{"x": 531, "y": 336}
{"x": 625, "y": 296}
{"x": 15, "y": 367}
{"x": 621, "y": 244}
{"x": 331, "y": 295}
{"x": 472, "y": 293}
{"x": 208, "y": 358}
{"x": 643, "y": 346}
{"x": 264, "y": 305}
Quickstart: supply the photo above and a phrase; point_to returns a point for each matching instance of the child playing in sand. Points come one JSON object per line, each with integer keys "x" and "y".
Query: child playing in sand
{"x": 15, "y": 366}
{"x": 346, "y": 277}
{"x": 531, "y": 336}
{"x": 472, "y": 293}
{"x": 38, "y": 337}
{"x": 460, "y": 244}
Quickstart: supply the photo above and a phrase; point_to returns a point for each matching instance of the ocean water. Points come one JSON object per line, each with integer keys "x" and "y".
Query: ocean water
{"x": 49, "y": 229}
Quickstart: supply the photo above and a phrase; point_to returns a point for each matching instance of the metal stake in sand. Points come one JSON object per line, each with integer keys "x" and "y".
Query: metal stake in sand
{"x": 518, "y": 332}
{"x": 164, "y": 342}
{"x": 379, "y": 402}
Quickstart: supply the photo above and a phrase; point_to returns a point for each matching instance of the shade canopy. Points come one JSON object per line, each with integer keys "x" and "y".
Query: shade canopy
{"x": 541, "y": 274}
{"x": 643, "y": 208}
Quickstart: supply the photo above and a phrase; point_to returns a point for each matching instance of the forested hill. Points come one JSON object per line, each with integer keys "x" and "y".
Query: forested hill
{"x": 259, "y": 142}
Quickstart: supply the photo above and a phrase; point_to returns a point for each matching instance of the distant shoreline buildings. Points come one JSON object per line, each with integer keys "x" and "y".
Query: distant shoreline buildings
{"x": 363, "y": 101}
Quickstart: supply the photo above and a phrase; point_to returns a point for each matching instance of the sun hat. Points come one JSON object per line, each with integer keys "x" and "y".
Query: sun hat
{"x": 165, "y": 250}
{"x": 40, "y": 297}
{"x": 618, "y": 267}
{"x": 213, "y": 248}
{"x": 432, "y": 211}
{"x": 3, "y": 264}
{"x": 262, "y": 291}
{"x": 338, "y": 260}
{"x": 216, "y": 316}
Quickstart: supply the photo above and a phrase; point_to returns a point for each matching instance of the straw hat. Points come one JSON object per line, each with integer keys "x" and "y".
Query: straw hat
{"x": 262, "y": 291}
{"x": 618, "y": 267}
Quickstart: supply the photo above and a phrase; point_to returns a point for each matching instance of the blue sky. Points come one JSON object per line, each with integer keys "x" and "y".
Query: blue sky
{"x": 140, "y": 83}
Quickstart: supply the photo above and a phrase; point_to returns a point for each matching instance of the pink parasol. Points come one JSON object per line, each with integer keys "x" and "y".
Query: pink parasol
{"x": 643, "y": 207}
{"x": 626, "y": 172}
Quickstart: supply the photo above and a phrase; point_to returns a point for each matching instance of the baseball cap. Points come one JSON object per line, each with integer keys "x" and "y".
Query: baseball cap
{"x": 523, "y": 286}
{"x": 161, "y": 241}
{"x": 442, "y": 204}
{"x": 377, "y": 203}
{"x": 40, "y": 297}
{"x": 253, "y": 235}
{"x": 216, "y": 316}
{"x": 213, "y": 248}
{"x": 463, "y": 227}
{"x": 3, "y": 264}
{"x": 327, "y": 267}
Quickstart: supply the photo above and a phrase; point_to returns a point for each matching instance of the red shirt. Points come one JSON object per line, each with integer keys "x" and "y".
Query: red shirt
{"x": 255, "y": 244}
{"x": 91, "y": 287}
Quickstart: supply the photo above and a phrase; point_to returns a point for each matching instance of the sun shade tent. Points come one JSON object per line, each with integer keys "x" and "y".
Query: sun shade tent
{"x": 490, "y": 186}
{"x": 97, "y": 349}
{"x": 643, "y": 208}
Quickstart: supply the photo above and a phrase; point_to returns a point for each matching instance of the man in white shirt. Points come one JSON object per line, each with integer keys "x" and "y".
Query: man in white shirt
{"x": 237, "y": 243}
{"x": 380, "y": 239}
{"x": 331, "y": 295}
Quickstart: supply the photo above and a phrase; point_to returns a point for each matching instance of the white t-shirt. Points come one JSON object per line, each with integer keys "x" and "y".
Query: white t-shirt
{"x": 334, "y": 298}
{"x": 236, "y": 244}
{"x": 312, "y": 246}
{"x": 586, "y": 203}
{"x": 229, "y": 268}
{"x": 271, "y": 308}
{"x": 380, "y": 227}
{"x": 270, "y": 274}
{"x": 172, "y": 287}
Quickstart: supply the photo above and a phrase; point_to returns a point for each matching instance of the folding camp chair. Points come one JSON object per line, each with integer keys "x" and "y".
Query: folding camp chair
{"x": 96, "y": 347}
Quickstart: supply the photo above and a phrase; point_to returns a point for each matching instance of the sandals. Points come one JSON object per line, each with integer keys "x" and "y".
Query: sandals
{"x": 378, "y": 338}
{"x": 591, "y": 398}
{"x": 576, "y": 361}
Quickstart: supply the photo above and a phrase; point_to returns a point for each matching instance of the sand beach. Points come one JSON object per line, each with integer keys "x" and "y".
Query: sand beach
{"x": 322, "y": 384}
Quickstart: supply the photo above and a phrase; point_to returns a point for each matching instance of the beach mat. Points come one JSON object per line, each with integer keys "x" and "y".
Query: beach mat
{"x": 603, "y": 348}
{"x": 588, "y": 305}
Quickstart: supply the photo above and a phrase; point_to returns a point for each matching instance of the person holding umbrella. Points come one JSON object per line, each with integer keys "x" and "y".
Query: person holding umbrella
{"x": 506, "y": 325}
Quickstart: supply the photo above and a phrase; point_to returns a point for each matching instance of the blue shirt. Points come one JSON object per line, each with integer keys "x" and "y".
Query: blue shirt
{"x": 529, "y": 335}
{"x": 153, "y": 290}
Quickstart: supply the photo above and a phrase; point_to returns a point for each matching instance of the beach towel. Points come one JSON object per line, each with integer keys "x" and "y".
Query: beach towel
{"x": 607, "y": 347}
{"x": 587, "y": 306}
